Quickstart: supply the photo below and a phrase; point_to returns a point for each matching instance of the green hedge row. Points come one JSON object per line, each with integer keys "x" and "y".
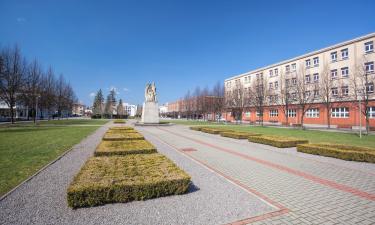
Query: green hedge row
{"x": 238, "y": 135}
{"x": 119, "y": 121}
{"x": 345, "y": 152}
{"x": 277, "y": 141}
{"x": 117, "y": 179}
{"x": 108, "y": 148}
{"x": 122, "y": 128}
{"x": 122, "y": 136}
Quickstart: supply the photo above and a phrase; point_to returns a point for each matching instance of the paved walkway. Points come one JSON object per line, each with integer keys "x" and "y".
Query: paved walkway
{"x": 211, "y": 198}
{"x": 307, "y": 189}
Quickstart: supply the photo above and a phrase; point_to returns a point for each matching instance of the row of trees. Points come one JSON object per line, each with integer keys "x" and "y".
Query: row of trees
{"x": 109, "y": 107}
{"x": 28, "y": 84}
{"x": 300, "y": 89}
{"x": 202, "y": 102}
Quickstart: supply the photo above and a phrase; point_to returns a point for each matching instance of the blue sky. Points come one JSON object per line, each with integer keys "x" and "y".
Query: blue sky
{"x": 178, "y": 44}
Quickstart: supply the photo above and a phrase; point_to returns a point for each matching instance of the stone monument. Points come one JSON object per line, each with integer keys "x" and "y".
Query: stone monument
{"x": 150, "y": 110}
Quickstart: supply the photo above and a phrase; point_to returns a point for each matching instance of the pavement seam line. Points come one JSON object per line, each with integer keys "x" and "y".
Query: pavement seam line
{"x": 281, "y": 209}
{"x": 304, "y": 175}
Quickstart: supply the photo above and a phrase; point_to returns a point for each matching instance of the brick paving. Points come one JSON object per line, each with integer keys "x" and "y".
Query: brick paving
{"x": 312, "y": 189}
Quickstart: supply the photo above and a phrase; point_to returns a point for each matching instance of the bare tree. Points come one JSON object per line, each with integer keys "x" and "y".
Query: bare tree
{"x": 303, "y": 94}
{"x": 32, "y": 87}
{"x": 48, "y": 92}
{"x": 285, "y": 99}
{"x": 11, "y": 77}
{"x": 218, "y": 102}
{"x": 187, "y": 105}
{"x": 120, "y": 109}
{"x": 325, "y": 91}
{"x": 236, "y": 100}
{"x": 362, "y": 84}
{"x": 258, "y": 94}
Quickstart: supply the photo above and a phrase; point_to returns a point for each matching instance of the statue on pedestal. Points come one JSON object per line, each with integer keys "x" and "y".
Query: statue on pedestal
{"x": 150, "y": 92}
{"x": 150, "y": 110}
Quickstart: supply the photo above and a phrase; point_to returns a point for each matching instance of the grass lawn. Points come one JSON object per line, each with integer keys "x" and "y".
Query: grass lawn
{"x": 314, "y": 136}
{"x": 25, "y": 148}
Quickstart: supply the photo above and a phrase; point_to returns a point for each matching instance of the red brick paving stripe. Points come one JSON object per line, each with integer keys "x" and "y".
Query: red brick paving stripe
{"x": 282, "y": 209}
{"x": 307, "y": 176}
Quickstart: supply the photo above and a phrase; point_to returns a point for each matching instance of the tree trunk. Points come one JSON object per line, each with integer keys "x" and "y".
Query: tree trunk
{"x": 11, "y": 113}
{"x": 328, "y": 117}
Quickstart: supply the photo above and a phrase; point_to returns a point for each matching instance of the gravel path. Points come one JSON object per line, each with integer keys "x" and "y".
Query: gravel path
{"x": 211, "y": 200}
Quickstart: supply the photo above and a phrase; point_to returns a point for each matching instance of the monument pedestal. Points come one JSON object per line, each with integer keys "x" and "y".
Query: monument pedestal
{"x": 150, "y": 113}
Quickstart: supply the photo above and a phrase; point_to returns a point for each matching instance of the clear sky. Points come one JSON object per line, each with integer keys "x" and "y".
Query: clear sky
{"x": 178, "y": 44}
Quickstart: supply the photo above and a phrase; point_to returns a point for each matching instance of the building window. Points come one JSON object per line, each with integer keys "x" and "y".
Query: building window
{"x": 334, "y": 91}
{"x": 274, "y": 113}
{"x": 316, "y": 93}
{"x": 308, "y": 63}
{"x": 369, "y": 46}
{"x": 294, "y": 96}
{"x": 370, "y": 88}
{"x": 276, "y": 72}
{"x": 286, "y": 82}
{"x": 292, "y": 113}
{"x": 287, "y": 68}
{"x": 270, "y": 85}
{"x": 345, "y": 53}
{"x": 245, "y": 80}
{"x": 333, "y": 74}
{"x": 316, "y": 77}
{"x": 294, "y": 81}
{"x": 307, "y": 79}
{"x": 307, "y": 94}
{"x": 369, "y": 67}
{"x": 271, "y": 73}
{"x": 259, "y": 114}
{"x": 342, "y": 112}
{"x": 276, "y": 98}
{"x": 333, "y": 56}
{"x": 294, "y": 67}
{"x": 312, "y": 113}
{"x": 316, "y": 61}
{"x": 276, "y": 84}
{"x": 345, "y": 72}
{"x": 247, "y": 114}
{"x": 371, "y": 112}
{"x": 345, "y": 90}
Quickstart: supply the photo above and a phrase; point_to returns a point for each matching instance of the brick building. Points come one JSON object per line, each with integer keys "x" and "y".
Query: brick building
{"x": 321, "y": 86}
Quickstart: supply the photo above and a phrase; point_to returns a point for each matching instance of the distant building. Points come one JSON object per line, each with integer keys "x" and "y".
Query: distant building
{"x": 163, "y": 110}
{"x": 130, "y": 110}
{"x": 78, "y": 109}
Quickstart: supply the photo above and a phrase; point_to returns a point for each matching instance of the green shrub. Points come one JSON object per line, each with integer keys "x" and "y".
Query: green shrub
{"x": 345, "y": 152}
{"x": 277, "y": 141}
{"x": 122, "y": 136}
{"x": 126, "y": 178}
{"x": 108, "y": 148}
{"x": 119, "y": 131}
{"x": 119, "y": 121}
{"x": 121, "y": 128}
{"x": 238, "y": 135}
{"x": 197, "y": 128}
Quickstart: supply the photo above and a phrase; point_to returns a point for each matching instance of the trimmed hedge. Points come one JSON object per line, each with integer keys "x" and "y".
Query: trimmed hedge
{"x": 121, "y": 128}
{"x": 196, "y": 128}
{"x": 345, "y": 152}
{"x": 238, "y": 135}
{"x": 109, "y": 136}
{"x": 119, "y": 121}
{"x": 277, "y": 141}
{"x": 118, "y": 131}
{"x": 126, "y": 178}
{"x": 108, "y": 148}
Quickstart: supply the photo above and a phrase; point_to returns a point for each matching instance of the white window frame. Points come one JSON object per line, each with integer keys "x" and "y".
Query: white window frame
{"x": 276, "y": 72}
{"x": 308, "y": 63}
{"x": 271, "y": 73}
{"x": 312, "y": 113}
{"x": 370, "y": 88}
{"x": 276, "y": 84}
{"x": 294, "y": 81}
{"x": 307, "y": 78}
{"x": 270, "y": 85}
{"x": 369, "y": 46}
{"x": 287, "y": 68}
{"x": 340, "y": 112}
{"x": 334, "y": 91}
{"x": 345, "y": 90}
{"x": 316, "y": 61}
{"x": 345, "y": 72}
{"x": 291, "y": 113}
{"x": 369, "y": 67}
{"x": 345, "y": 53}
{"x": 334, "y": 74}
{"x": 371, "y": 112}
{"x": 294, "y": 67}
{"x": 274, "y": 113}
{"x": 334, "y": 56}
{"x": 316, "y": 75}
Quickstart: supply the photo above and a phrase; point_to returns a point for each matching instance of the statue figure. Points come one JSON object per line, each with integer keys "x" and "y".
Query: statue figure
{"x": 150, "y": 92}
